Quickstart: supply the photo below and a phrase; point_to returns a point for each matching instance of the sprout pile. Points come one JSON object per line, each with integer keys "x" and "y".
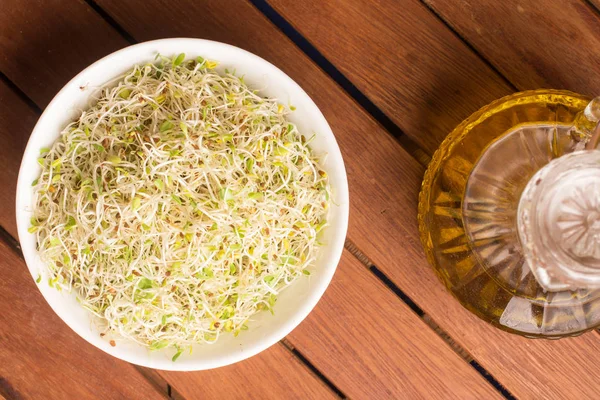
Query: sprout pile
{"x": 179, "y": 205}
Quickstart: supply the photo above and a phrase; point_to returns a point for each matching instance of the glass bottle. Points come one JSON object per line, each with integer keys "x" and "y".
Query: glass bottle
{"x": 509, "y": 213}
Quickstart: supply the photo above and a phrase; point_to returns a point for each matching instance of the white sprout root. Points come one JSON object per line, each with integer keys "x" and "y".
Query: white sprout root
{"x": 179, "y": 205}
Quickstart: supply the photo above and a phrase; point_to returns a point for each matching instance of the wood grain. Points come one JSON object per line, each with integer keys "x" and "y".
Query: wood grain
{"x": 547, "y": 43}
{"x": 273, "y": 374}
{"x": 403, "y": 58}
{"x": 41, "y": 357}
{"x": 39, "y": 56}
{"x": 390, "y": 376}
{"x": 16, "y": 122}
{"x": 372, "y": 345}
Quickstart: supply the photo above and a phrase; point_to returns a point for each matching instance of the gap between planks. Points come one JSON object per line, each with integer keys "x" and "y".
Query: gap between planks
{"x": 472, "y": 48}
{"x": 159, "y": 383}
{"x": 286, "y": 343}
{"x": 458, "y": 349}
{"x": 594, "y": 6}
{"x": 21, "y": 94}
{"x": 338, "y": 77}
{"x": 7, "y": 391}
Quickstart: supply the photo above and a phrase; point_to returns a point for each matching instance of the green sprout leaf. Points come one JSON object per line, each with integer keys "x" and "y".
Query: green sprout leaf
{"x": 145, "y": 283}
{"x": 225, "y": 194}
{"x": 211, "y": 64}
{"x": 208, "y": 272}
{"x": 161, "y": 344}
{"x": 179, "y": 59}
{"x": 136, "y": 203}
{"x": 272, "y": 300}
{"x": 176, "y": 356}
{"x": 99, "y": 147}
{"x": 177, "y": 199}
{"x": 250, "y": 164}
{"x": 183, "y": 127}
{"x": 320, "y": 226}
{"x": 56, "y": 163}
{"x": 159, "y": 184}
{"x": 255, "y": 196}
{"x": 125, "y": 93}
{"x": 71, "y": 223}
{"x": 165, "y": 126}
{"x": 115, "y": 160}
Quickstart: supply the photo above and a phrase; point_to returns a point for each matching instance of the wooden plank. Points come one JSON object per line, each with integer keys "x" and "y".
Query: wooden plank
{"x": 273, "y": 374}
{"x": 40, "y": 357}
{"x": 370, "y": 343}
{"x": 16, "y": 122}
{"x": 401, "y": 57}
{"x": 40, "y": 57}
{"x": 384, "y": 184}
{"x": 549, "y": 43}
{"x": 455, "y": 376}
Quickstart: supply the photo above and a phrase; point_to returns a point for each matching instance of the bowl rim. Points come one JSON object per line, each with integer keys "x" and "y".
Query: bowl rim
{"x": 317, "y": 288}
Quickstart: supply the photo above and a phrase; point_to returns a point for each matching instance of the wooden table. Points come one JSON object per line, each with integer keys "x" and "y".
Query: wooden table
{"x": 392, "y": 78}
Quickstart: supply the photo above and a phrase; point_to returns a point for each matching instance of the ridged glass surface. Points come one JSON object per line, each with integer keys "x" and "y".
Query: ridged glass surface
{"x": 468, "y": 210}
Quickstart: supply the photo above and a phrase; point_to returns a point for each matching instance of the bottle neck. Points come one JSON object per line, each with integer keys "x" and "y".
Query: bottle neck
{"x": 559, "y": 222}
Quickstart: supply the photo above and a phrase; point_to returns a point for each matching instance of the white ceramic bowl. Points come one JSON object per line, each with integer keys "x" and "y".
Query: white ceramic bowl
{"x": 294, "y": 304}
